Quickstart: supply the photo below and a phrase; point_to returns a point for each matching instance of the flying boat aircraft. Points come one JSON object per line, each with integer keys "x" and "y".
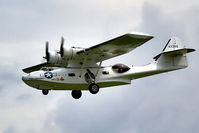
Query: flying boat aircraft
{"x": 77, "y": 69}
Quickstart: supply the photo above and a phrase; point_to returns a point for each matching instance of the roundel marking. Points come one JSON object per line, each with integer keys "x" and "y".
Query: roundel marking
{"x": 48, "y": 75}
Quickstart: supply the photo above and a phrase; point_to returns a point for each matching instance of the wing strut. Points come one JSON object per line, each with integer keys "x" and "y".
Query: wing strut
{"x": 99, "y": 66}
{"x": 82, "y": 67}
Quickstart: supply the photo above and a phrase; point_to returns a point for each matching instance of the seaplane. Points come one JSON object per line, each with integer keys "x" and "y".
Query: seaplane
{"x": 78, "y": 69}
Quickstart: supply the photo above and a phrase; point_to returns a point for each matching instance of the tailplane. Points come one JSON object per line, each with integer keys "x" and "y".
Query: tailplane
{"x": 173, "y": 55}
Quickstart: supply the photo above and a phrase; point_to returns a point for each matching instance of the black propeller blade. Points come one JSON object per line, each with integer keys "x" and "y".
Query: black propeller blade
{"x": 47, "y": 57}
{"x": 62, "y": 47}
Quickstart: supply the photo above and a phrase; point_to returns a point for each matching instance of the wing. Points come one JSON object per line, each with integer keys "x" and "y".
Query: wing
{"x": 112, "y": 48}
{"x": 37, "y": 67}
{"x": 115, "y": 47}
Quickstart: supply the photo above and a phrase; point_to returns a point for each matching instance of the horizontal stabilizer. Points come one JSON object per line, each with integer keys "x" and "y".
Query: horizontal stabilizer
{"x": 175, "y": 52}
{"x": 174, "y": 46}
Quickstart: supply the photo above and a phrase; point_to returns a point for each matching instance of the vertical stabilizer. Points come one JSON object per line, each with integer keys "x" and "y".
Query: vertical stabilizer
{"x": 174, "y": 44}
{"x": 173, "y": 55}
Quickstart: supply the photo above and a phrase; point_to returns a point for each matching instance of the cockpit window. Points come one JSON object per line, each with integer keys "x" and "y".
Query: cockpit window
{"x": 46, "y": 69}
{"x": 120, "y": 68}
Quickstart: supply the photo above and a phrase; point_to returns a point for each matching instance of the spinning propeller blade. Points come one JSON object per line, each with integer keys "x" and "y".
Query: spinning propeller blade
{"x": 61, "y": 52}
{"x": 47, "y": 57}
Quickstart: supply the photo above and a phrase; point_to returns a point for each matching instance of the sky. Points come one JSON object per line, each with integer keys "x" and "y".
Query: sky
{"x": 161, "y": 103}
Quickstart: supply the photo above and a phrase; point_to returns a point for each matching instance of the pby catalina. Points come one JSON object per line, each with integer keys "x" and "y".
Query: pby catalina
{"x": 77, "y": 69}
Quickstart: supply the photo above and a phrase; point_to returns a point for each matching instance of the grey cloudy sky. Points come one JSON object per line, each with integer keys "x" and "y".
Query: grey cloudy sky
{"x": 162, "y": 103}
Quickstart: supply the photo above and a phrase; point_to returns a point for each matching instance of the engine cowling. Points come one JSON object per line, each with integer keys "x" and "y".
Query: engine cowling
{"x": 67, "y": 53}
{"x": 54, "y": 58}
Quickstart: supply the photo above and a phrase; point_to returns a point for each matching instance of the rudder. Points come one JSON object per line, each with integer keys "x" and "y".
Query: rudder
{"x": 174, "y": 44}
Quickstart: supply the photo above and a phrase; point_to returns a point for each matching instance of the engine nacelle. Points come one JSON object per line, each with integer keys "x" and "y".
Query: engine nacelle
{"x": 68, "y": 53}
{"x": 54, "y": 58}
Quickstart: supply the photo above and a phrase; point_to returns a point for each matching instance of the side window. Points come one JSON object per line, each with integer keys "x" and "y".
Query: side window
{"x": 105, "y": 72}
{"x": 50, "y": 69}
{"x": 71, "y": 74}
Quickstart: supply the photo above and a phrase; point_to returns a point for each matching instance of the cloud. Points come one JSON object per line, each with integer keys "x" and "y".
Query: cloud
{"x": 10, "y": 130}
{"x": 26, "y": 21}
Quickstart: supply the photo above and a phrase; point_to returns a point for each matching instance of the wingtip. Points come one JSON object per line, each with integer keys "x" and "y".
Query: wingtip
{"x": 141, "y": 33}
{"x": 191, "y": 50}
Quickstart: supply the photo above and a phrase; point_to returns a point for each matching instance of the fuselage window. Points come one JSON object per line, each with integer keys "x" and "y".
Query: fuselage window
{"x": 105, "y": 72}
{"x": 120, "y": 68}
{"x": 50, "y": 69}
{"x": 71, "y": 74}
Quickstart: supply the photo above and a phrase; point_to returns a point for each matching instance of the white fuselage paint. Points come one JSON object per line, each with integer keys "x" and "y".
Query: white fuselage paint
{"x": 62, "y": 81}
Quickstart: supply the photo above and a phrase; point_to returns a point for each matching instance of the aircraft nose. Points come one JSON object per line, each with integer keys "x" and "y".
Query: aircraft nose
{"x": 25, "y": 77}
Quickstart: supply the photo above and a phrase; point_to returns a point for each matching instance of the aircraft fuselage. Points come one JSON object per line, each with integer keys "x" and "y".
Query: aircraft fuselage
{"x": 73, "y": 79}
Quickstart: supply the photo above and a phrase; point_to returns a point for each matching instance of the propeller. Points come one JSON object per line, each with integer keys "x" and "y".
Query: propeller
{"x": 61, "y": 52}
{"x": 47, "y": 57}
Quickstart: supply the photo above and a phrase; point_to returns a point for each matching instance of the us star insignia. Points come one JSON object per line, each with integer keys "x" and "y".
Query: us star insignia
{"x": 48, "y": 75}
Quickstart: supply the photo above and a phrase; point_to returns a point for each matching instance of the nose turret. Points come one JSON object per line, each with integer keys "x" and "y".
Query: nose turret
{"x": 32, "y": 78}
{"x": 26, "y": 77}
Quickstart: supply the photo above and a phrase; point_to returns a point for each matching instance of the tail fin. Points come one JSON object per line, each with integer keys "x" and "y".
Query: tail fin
{"x": 173, "y": 55}
{"x": 174, "y": 44}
